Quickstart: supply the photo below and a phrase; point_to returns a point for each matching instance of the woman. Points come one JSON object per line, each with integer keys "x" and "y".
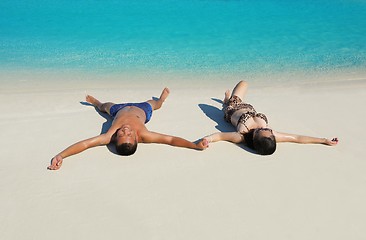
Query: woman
{"x": 252, "y": 127}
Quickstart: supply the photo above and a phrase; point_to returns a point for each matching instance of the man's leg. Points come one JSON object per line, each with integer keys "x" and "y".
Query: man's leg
{"x": 103, "y": 107}
{"x": 156, "y": 104}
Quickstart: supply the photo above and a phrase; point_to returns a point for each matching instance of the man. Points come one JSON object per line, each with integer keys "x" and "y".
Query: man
{"x": 127, "y": 130}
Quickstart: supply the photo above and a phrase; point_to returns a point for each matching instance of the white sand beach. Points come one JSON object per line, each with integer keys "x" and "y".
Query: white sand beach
{"x": 162, "y": 192}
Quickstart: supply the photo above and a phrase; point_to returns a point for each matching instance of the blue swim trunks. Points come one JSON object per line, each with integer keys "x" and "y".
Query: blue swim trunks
{"x": 146, "y": 107}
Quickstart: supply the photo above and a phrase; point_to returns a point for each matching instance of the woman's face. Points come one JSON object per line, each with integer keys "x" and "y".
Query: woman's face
{"x": 262, "y": 132}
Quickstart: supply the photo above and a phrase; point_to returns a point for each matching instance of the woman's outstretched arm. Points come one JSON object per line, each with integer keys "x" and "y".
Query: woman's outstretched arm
{"x": 233, "y": 137}
{"x": 78, "y": 147}
{"x": 294, "y": 138}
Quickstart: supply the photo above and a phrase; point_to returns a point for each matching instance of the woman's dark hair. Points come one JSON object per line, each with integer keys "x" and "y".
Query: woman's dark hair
{"x": 263, "y": 145}
{"x": 248, "y": 137}
{"x": 126, "y": 149}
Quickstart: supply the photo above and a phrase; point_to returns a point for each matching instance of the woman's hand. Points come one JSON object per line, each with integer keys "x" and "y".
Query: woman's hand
{"x": 56, "y": 163}
{"x": 332, "y": 142}
{"x": 202, "y": 144}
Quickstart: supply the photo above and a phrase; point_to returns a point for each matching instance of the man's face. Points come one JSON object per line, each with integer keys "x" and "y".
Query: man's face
{"x": 125, "y": 135}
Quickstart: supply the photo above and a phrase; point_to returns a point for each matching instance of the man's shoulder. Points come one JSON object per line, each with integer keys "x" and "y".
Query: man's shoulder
{"x": 151, "y": 137}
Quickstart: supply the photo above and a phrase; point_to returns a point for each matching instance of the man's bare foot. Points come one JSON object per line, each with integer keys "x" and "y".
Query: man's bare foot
{"x": 56, "y": 163}
{"x": 93, "y": 100}
{"x": 157, "y": 103}
{"x": 227, "y": 96}
{"x": 164, "y": 94}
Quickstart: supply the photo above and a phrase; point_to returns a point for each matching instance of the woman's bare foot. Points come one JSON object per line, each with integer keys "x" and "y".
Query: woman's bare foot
{"x": 227, "y": 96}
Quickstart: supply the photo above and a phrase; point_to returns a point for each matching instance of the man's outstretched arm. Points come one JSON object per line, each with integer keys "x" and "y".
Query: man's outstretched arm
{"x": 78, "y": 147}
{"x": 153, "y": 137}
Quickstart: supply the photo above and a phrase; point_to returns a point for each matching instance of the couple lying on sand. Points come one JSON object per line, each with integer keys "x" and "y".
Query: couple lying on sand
{"x": 129, "y": 119}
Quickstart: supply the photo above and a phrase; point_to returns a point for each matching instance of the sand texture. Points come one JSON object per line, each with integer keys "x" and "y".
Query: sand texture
{"x": 162, "y": 192}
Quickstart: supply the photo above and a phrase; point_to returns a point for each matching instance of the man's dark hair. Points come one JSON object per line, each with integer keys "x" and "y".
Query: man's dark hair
{"x": 126, "y": 149}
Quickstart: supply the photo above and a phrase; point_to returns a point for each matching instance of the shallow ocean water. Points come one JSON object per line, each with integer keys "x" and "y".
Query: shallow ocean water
{"x": 239, "y": 37}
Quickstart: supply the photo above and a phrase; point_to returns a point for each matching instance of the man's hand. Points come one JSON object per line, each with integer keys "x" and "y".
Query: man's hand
{"x": 56, "y": 163}
{"x": 202, "y": 144}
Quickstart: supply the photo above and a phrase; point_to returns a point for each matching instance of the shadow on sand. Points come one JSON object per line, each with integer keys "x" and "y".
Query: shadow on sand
{"x": 106, "y": 125}
{"x": 216, "y": 115}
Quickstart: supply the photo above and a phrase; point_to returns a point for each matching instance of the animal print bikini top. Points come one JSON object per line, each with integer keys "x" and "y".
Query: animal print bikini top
{"x": 234, "y": 104}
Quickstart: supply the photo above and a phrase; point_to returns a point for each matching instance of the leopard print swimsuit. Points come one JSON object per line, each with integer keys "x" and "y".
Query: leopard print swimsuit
{"x": 234, "y": 104}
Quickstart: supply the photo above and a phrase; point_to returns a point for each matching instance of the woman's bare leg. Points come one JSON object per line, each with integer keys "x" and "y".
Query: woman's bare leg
{"x": 240, "y": 89}
{"x": 103, "y": 107}
{"x": 156, "y": 104}
{"x": 227, "y": 96}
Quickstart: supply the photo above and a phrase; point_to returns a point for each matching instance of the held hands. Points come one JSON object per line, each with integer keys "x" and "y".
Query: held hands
{"x": 202, "y": 144}
{"x": 56, "y": 163}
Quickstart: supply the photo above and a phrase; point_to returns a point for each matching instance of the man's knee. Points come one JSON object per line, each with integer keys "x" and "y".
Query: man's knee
{"x": 106, "y": 107}
{"x": 155, "y": 104}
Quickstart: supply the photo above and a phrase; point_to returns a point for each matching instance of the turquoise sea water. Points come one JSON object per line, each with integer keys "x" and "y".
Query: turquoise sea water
{"x": 197, "y": 36}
